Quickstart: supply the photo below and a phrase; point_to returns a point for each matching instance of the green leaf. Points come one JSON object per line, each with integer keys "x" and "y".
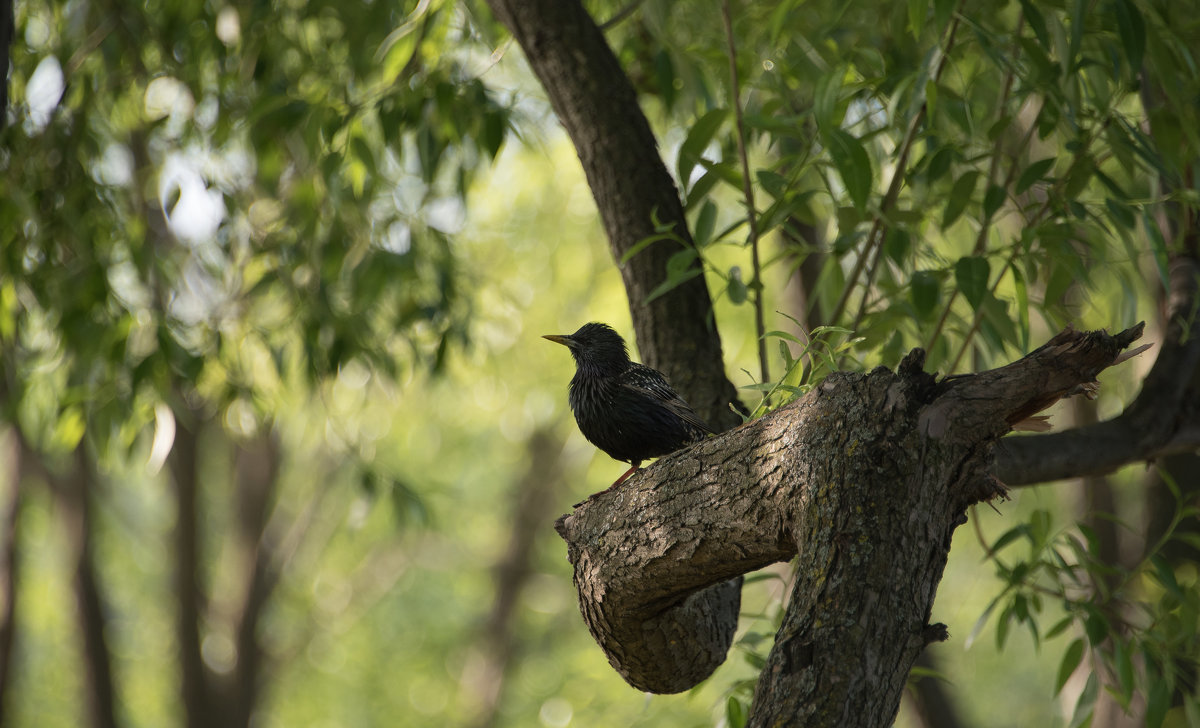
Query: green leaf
{"x": 971, "y": 276}
{"x": 925, "y": 289}
{"x": 1003, "y": 622}
{"x": 1033, "y": 16}
{"x": 939, "y": 164}
{"x": 852, "y": 162}
{"x": 1123, "y": 662}
{"x": 979, "y": 623}
{"x": 1158, "y": 702}
{"x": 672, "y": 283}
{"x": 1022, "y": 293}
{"x": 1011, "y": 535}
{"x": 736, "y": 289}
{"x": 735, "y": 713}
{"x": 1158, "y": 246}
{"x": 706, "y": 221}
{"x": 698, "y": 138}
{"x": 1096, "y": 626}
{"x": 1033, "y": 173}
{"x": 702, "y": 187}
{"x": 992, "y": 200}
{"x": 680, "y": 262}
{"x": 785, "y": 354}
{"x": 1070, "y": 660}
{"x": 784, "y": 335}
{"x": 1059, "y": 627}
{"x": 826, "y": 91}
{"x": 1086, "y": 702}
{"x": 1166, "y": 576}
{"x": 942, "y": 11}
{"x": 960, "y": 195}
{"x": 917, "y": 11}
{"x": 775, "y": 184}
{"x": 1131, "y": 27}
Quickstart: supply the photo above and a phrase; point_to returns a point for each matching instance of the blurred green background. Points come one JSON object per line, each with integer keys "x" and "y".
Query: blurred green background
{"x": 274, "y": 278}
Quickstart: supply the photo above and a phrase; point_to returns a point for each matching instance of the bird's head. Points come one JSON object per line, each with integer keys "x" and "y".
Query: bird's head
{"x": 597, "y": 347}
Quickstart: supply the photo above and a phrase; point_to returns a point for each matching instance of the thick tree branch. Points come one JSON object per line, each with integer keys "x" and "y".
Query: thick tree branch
{"x": 257, "y": 471}
{"x": 866, "y": 478}
{"x": 1163, "y": 420}
{"x": 195, "y": 686}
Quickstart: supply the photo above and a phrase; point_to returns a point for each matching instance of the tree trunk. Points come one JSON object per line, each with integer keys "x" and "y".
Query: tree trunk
{"x": 865, "y": 478}
{"x": 598, "y": 107}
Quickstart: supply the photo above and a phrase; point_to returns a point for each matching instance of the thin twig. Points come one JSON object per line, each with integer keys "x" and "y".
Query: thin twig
{"x": 1041, "y": 212}
{"x": 748, "y": 191}
{"x": 620, "y": 15}
{"x": 981, "y": 239}
{"x": 993, "y": 166}
{"x": 874, "y": 240}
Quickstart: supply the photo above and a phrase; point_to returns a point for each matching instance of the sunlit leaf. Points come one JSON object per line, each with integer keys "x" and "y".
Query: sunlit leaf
{"x": 698, "y": 138}
{"x": 1066, "y": 667}
{"x": 960, "y": 195}
{"x": 971, "y": 276}
{"x": 852, "y": 162}
{"x": 1032, "y": 174}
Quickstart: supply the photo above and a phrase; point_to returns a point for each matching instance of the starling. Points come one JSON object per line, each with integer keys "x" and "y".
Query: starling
{"x": 626, "y": 409}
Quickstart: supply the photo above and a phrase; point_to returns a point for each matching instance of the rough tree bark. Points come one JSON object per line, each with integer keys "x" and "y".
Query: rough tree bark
{"x": 866, "y": 478}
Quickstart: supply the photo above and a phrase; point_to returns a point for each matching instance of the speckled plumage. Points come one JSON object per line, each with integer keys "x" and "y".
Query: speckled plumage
{"x": 626, "y": 409}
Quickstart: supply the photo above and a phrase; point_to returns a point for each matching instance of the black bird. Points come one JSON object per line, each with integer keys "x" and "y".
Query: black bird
{"x": 626, "y": 409}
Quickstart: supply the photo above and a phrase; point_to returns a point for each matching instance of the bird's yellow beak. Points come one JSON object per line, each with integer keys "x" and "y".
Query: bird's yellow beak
{"x": 564, "y": 340}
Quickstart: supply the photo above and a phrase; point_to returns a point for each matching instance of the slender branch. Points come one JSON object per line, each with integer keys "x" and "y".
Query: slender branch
{"x": 993, "y": 166}
{"x": 1044, "y": 208}
{"x": 621, "y": 15}
{"x": 874, "y": 239}
{"x": 756, "y": 284}
{"x": 1163, "y": 419}
{"x": 981, "y": 239}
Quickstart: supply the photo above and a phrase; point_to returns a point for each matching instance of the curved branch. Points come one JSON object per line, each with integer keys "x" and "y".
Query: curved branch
{"x": 1163, "y": 420}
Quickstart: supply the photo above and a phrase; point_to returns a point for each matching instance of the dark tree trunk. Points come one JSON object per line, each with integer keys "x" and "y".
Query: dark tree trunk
{"x": 195, "y": 687}
{"x": 598, "y": 106}
{"x": 257, "y": 468}
{"x": 12, "y": 457}
{"x": 533, "y": 497}
{"x": 74, "y": 493}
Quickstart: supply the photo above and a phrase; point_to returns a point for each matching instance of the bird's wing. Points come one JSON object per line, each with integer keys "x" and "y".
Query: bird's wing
{"x": 647, "y": 381}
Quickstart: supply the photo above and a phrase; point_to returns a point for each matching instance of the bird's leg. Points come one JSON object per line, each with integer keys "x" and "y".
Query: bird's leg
{"x": 621, "y": 479}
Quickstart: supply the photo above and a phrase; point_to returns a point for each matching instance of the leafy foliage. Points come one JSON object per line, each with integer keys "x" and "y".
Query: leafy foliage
{"x": 251, "y": 219}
